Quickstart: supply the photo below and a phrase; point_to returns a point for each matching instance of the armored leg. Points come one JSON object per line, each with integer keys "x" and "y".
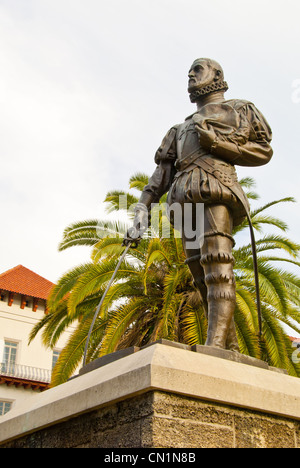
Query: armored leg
{"x": 191, "y": 246}
{"x": 193, "y": 262}
{"x": 212, "y": 270}
{"x": 232, "y": 341}
{"x": 217, "y": 262}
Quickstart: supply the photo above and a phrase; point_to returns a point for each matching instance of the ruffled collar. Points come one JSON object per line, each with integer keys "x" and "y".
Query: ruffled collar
{"x": 218, "y": 86}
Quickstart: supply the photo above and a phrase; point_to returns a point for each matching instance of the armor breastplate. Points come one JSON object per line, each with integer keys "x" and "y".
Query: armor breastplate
{"x": 188, "y": 140}
{"x": 190, "y": 154}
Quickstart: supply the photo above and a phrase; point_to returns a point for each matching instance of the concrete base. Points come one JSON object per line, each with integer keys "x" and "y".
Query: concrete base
{"x": 164, "y": 395}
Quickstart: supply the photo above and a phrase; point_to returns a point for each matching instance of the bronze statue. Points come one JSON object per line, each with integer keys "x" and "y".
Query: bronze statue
{"x": 195, "y": 164}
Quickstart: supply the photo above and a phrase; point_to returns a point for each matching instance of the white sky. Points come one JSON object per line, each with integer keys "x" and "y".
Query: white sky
{"x": 88, "y": 89}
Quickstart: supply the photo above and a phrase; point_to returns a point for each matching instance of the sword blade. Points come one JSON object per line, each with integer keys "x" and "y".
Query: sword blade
{"x": 102, "y": 300}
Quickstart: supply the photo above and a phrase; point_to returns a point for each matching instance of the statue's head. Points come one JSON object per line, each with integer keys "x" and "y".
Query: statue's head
{"x": 205, "y": 76}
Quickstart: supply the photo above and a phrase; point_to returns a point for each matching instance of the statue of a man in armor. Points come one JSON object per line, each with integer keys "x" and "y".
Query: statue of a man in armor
{"x": 195, "y": 164}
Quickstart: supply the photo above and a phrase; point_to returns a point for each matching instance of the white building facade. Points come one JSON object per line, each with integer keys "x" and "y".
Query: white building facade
{"x": 25, "y": 370}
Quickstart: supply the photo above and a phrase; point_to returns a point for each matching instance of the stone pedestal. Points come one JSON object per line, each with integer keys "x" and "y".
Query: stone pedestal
{"x": 165, "y": 396}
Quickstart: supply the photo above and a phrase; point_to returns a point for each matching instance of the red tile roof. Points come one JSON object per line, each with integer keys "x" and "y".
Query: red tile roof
{"x": 292, "y": 338}
{"x": 23, "y": 281}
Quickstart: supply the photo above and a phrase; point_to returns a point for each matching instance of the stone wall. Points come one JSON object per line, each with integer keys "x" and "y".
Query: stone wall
{"x": 161, "y": 420}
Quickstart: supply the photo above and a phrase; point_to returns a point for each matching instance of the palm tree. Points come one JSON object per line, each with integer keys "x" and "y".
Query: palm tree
{"x": 153, "y": 296}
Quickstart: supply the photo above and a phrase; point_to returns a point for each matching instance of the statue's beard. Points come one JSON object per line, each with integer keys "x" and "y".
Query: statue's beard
{"x": 212, "y": 88}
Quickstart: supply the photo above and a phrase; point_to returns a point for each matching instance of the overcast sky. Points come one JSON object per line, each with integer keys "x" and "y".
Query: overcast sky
{"x": 88, "y": 89}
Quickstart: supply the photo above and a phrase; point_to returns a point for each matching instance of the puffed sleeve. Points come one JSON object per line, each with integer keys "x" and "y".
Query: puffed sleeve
{"x": 162, "y": 178}
{"x": 167, "y": 149}
{"x": 250, "y": 146}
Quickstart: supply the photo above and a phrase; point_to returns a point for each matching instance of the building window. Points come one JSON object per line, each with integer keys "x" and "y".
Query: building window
{"x": 55, "y": 357}
{"x": 10, "y": 355}
{"x": 5, "y": 406}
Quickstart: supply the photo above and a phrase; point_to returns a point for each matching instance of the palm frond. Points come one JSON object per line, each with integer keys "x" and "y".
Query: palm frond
{"x": 138, "y": 181}
{"x": 65, "y": 284}
{"x": 272, "y": 203}
{"x": 247, "y": 182}
{"x": 71, "y": 355}
{"x": 79, "y": 233}
{"x": 119, "y": 321}
{"x": 194, "y": 325}
{"x": 118, "y": 200}
{"x": 95, "y": 280}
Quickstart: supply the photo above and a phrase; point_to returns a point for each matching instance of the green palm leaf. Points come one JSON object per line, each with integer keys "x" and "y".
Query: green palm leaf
{"x": 138, "y": 181}
{"x": 118, "y": 323}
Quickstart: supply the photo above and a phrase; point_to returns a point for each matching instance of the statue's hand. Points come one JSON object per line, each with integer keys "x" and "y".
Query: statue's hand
{"x": 207, "y": 137}
{"x": 132, "y": 238}
{"x": 140, "y": 225}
